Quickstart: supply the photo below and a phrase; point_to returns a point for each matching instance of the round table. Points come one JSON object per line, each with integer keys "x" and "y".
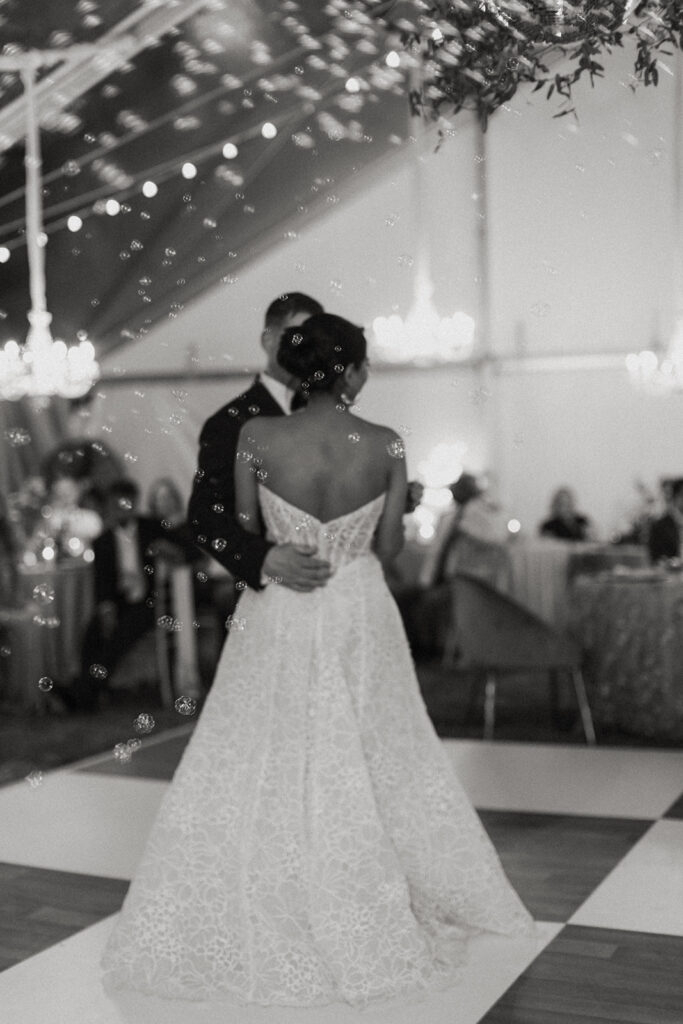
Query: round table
{"x": 542, "y": 570}
{"x": 630, "y": 624}
{"x": 60, "y": 623}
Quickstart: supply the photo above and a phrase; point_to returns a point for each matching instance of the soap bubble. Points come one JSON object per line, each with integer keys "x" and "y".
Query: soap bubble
{"x": 185, "y": 705}
{"x": 45, "y": 684}
{"x": 169, "y": 623}
{"x": 144, "y": 723}
{"x": 234, "y": 622}
{"x": 18, "y": 437}
{"x": 122, "y": 753}
{"x": 44, "y": 593}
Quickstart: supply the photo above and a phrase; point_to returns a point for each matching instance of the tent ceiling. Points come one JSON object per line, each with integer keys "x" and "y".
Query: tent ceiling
{"x": 215, "y": 77}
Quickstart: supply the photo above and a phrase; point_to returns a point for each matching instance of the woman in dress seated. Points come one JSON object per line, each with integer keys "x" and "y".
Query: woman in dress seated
{"x": 565, "y": 522}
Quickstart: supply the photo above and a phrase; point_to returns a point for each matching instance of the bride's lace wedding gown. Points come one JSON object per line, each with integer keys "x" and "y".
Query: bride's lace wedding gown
{"x": 314, "y": 844}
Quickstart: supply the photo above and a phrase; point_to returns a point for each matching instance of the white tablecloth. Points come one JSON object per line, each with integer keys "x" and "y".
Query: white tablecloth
{"x": 539, "y": 573}
{"x": 542, "y": 569}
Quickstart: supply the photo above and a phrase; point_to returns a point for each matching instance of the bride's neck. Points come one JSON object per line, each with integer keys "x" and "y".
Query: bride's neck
{"x": 325, "y": 401}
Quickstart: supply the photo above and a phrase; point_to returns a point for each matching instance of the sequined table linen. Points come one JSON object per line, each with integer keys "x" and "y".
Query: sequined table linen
{"x": 630, "y": 625}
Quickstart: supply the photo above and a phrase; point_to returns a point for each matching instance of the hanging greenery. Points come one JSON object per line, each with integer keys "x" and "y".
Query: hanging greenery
{"x": 474, "y": 54}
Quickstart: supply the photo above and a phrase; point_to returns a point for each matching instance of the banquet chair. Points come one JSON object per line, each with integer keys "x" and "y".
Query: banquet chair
{"x": 484, "y": 560}
{"x": 495, "y": 635}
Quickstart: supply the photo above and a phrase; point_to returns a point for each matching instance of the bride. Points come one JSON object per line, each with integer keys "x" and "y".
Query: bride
{"x": 314, "y": 845}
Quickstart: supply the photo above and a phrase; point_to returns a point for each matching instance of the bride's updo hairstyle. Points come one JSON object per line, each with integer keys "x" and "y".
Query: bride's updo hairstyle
{"x": 318, "y": 351}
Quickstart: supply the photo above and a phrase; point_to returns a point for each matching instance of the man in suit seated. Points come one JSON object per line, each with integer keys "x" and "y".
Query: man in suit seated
{"x": 125, "y": 556}
{"x": 664, "y": 540}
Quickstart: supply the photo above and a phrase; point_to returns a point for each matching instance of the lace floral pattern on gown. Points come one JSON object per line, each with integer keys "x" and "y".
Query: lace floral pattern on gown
{"x": 314, "y": 845}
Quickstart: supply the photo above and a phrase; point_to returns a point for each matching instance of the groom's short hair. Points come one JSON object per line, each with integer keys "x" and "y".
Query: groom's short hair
{"x": 287, "y": 305}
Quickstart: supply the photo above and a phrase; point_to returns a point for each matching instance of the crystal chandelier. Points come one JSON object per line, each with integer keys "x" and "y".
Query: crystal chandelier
{"x": 662, "y": 373}
{"x": 41, "y": 367}
{"x": 659, "y": 374}
{"x": 423, "y": 338}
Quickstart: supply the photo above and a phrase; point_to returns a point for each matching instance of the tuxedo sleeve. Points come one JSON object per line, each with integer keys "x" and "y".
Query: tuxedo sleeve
{"x": 105, "y": 568}
{"x": 211, "y": 510}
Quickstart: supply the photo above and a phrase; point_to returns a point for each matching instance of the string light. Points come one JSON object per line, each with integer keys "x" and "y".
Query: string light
{"x": 230, "y": 151}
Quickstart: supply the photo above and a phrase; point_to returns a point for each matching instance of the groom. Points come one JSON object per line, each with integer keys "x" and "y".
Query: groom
{"x": 251, "y": 559}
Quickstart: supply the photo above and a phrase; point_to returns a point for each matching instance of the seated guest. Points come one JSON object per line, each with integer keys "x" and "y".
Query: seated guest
{"x": 472, "y": 517}
{"x": 165, "y": 502}
{"x": 469, "y": 538}
{"x": 664, "y": 540}
{"x": 124, "y": 588}
{"x": 565, "y": 523}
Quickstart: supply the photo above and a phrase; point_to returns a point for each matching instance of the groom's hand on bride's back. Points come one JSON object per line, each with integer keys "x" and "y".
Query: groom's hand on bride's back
{"x": 296, "y": 567}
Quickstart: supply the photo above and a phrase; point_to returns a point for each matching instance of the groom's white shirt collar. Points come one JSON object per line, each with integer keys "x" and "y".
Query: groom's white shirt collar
{"x": 280, "y": 392}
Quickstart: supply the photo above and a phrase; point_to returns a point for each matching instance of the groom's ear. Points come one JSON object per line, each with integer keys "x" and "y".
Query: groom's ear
{"x": 266, "y": 338}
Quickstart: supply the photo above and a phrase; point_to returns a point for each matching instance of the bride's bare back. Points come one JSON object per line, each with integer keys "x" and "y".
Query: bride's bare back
{"x": 325, "y": 462}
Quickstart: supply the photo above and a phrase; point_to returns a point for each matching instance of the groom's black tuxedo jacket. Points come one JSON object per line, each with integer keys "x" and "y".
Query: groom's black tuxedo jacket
{"x": 211, "y": 511}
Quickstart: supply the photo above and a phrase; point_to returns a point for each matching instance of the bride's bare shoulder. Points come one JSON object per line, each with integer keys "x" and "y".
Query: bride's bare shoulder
{"x": 378, "y": 432}
{"x": 258, "y": 426}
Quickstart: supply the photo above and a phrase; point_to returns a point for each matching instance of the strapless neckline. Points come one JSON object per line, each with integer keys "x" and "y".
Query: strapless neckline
{"x": 326, "y": 522}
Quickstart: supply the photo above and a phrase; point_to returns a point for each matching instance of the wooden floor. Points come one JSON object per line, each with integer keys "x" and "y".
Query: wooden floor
{"x": 598, "y": 976}
{"x": 607, "y": 883}
{"x": 39, "y": 908}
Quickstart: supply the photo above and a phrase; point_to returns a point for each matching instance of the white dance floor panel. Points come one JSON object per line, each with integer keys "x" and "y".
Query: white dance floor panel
{"x": 552, "y": 779}
{"x": 580, "y": 828}
{"x": 644, "y": 892}
{"x": 85, "y": 823}
{"x": 69, "y": 972}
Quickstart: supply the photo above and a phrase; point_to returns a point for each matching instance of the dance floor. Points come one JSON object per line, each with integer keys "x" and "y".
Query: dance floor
{"x": 591, "y": 838}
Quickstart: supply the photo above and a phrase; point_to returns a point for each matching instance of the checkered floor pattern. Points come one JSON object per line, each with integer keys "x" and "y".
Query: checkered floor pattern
{"x": 591, "y": 838}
